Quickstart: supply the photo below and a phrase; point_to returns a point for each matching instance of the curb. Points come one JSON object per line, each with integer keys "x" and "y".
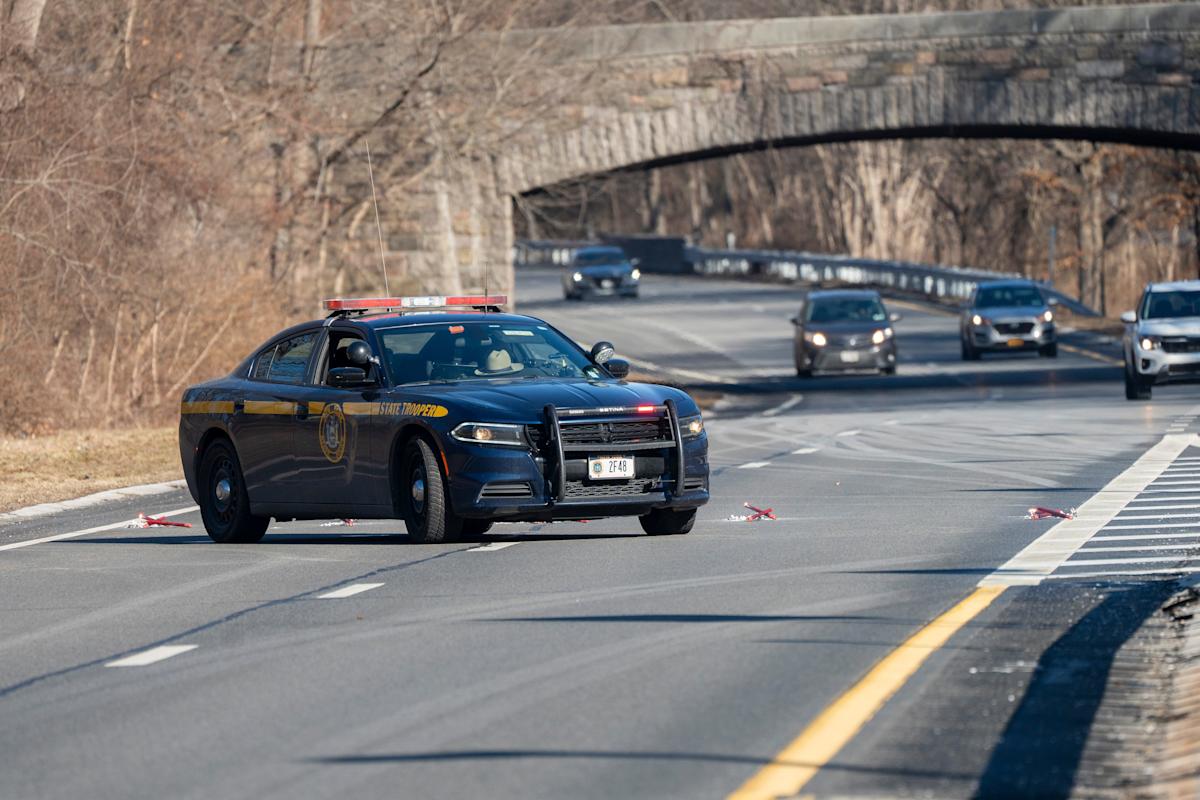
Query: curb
{"x": 87, "y": 501}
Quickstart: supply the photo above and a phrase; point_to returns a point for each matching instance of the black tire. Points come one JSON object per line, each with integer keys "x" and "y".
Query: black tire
{"x": 427, "y": 512}
{"x": 969, "y": 353}
{"x": 888, "y": 370}
{"x": 224, "y": 503}
{"x": 803, "y": 373}
{"x": 1136, "y": 387}
{"x": 476, "y": 527}
{"x": 666, "y": 522}
{"x": 1049, "y": 350}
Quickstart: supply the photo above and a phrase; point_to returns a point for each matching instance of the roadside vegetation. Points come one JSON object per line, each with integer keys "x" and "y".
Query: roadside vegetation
{"x": 59, "y": 466}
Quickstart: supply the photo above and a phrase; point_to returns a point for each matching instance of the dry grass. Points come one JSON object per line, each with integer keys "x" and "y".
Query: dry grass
{"x": 59, "y": 466}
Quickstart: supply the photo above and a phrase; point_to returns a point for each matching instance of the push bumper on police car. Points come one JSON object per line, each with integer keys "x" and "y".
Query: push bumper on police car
{"x": 585, "y": 463}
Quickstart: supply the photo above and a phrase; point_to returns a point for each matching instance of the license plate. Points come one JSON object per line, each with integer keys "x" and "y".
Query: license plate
{"x": 849, "y": 357}
{"x": 610, "y": 468}
{"x": 1016, "y": 342}
{"x": 606, "y": 284}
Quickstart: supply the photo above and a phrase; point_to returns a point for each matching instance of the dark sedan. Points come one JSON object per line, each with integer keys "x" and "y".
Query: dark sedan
{"x": 844, "y": 331}
{"x": 602, "y": 271}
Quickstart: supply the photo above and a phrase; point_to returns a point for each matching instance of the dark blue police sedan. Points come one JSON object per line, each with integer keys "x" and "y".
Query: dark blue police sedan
{"x": 450, "y": 420}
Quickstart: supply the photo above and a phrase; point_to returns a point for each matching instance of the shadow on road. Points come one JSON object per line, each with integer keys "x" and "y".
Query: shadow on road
{"x": 1039, "y": 753}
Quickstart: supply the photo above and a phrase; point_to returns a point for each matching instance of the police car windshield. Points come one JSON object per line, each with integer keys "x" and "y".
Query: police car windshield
{"x": 476, "y": 351}
{"x": 1163, "y": 305}
{"x": 846, "y": 309}
{"x": 599, "y": 258}
{"x": 1008, "y": 296}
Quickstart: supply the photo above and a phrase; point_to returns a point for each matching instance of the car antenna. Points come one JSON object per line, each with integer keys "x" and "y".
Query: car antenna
{"x": 378, "y": 226}
{"x": 487, "y": 270}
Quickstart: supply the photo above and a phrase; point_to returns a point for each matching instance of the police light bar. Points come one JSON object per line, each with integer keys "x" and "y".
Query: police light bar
{"x": 367, "y": 303}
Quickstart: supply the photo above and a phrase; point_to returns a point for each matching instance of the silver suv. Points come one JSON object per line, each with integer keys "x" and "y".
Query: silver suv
{"x": 1162, "y": 338}
{"x": 1007, "y": 316}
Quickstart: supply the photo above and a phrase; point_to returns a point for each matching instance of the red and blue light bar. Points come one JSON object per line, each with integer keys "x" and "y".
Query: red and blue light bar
{"x": 429, "y": 301}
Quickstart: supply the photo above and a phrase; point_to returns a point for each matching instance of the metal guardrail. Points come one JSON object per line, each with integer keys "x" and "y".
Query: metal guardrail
{"x": 939, "y": 283}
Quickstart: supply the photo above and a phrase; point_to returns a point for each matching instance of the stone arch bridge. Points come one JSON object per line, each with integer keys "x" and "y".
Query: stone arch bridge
{"x": 678, "y": 92}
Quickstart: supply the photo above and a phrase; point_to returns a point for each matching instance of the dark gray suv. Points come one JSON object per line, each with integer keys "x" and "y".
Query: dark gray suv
{"x": 844, "y": 330}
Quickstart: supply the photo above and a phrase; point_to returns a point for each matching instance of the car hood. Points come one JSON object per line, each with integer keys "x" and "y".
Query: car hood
{"x": 523, "y": 400}
{"x": 845, "y": 328}
{"x": 606, "y": 271}
{"x": 1010, "y": 312}
{"x": 1176, "y": 326}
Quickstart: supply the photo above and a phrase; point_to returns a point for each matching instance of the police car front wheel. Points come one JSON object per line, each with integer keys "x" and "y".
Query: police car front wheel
{"x": 666, "y": 522}
{"x": 224, "y": 504}
{"x": 427, "y": 513}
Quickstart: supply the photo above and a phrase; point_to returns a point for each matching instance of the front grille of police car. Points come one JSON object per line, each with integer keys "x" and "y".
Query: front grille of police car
{"x": 605, "y": 489}
{"x": 1181, "y": 344}
{"x": 616, "y": 433}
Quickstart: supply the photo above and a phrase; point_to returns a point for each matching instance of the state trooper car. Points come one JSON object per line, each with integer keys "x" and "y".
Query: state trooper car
{"x": 450, "y": 420}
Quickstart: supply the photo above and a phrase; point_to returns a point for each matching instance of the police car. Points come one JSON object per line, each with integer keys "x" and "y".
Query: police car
{"x": 445, "y": 413}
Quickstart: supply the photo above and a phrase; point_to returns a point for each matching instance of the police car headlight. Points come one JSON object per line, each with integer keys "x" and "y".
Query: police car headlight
{"x": 490, "y": 433}
{"x": 691, "y": 426}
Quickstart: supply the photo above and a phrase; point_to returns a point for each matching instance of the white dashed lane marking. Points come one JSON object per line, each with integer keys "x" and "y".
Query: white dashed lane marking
{"x": 152, "y": 656}
{"x": 753, "y": 465}
{"x": 349, "y": 591}
{"x": 491, "y": 547}
{"x": 852, "y": 432}
{"x": 804, "y": 451}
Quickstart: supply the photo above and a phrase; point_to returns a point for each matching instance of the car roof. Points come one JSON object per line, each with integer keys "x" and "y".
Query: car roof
{"x": 820, "y": 294}
{"x": 1007, "y": 282}
{"x": 392, "y": 320}
{"x": 1174, "y": 286}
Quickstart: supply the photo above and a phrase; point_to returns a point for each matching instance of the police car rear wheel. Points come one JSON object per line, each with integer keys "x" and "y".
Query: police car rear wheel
{"x": 665, "y": 522}
{"x": 427, "y": 513}
{"x": 224, "y": 504}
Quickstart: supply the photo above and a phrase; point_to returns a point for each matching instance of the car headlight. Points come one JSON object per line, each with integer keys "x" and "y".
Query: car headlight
{"x": 1048, "y": 316}
{"x": 490, "y": 433}
{"x": 636, "y": 274}
{"x": 817, "y": 338}
{"x": 978, "y": 320}
{"x": 1150, "y": 343}
{"x": 881, "y": 336}
{"x": 691, "y": 426}
{"x": 577, "y": 277}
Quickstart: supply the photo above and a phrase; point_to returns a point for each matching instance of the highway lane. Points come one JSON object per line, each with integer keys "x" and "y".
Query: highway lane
{"x": 579, "y": 660}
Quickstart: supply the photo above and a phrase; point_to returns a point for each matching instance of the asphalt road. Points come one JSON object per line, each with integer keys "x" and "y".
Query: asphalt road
{"x": 581, "y": 660}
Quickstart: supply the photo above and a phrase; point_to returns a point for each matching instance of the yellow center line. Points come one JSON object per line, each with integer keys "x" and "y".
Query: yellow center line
{"x": 1103, "y": 359}
{"x": 816, "y": 746}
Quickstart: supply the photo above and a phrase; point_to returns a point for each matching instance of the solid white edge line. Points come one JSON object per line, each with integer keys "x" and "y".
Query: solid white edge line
{"x": 1050, "y": 550}
{"x": 349, "y": 591}
{"x": 98, "y": 529}
{"x": 95, "y": 499}
{"x": 152, "y": 656}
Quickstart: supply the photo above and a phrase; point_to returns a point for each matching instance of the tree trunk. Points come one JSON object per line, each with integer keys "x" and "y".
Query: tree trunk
{"x": 24, "y": 21}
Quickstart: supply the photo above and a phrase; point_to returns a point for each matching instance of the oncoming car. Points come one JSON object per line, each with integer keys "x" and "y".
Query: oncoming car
{"x": 600, "y": 271}
{"x": 1008, "y": 316}
{"x": 450, "y": 420}
{"x": 844, "y": 330}
{"x": 1162, "y": 338}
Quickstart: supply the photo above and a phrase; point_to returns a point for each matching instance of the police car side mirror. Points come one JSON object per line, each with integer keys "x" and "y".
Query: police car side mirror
{"x": 348, "y": 377}
{"x": 617, "y": 367}
{"x": 1129, "y": 317}
{"x": 601, "y": 352}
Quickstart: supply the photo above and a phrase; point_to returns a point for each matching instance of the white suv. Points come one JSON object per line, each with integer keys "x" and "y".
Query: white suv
{"x": 1162, "y": 338}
